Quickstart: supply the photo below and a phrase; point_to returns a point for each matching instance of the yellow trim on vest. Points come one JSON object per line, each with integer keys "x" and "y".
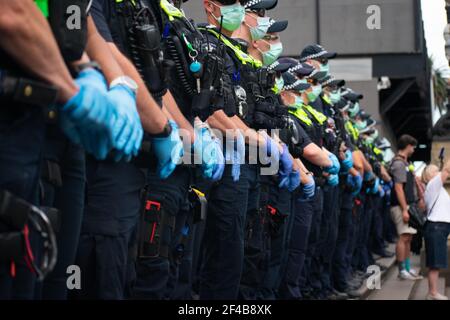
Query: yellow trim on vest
{"x": 198, "y": 192}
{"x": 133, "y": 2}
{"x": 319, "y": 116}
{"x": 241, "y": 55}
{"x": 327, "y": 100}
{"x": 171, "y": 11}
{"x": 352, "y": 130}
{"x": 301, "y": 115}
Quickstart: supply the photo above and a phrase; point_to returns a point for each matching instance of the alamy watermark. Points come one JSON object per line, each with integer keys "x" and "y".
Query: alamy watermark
{"x": 374, "y": 280}
{"x": 373, "y": 21}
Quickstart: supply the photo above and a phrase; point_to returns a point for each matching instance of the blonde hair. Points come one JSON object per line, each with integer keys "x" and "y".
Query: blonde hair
{"x": 426, "y": 174}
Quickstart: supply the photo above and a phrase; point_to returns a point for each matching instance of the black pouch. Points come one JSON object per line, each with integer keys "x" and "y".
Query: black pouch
{"x": 276, "y": 219}
{"x": 198, "y": 204}
{"x": 11, "y": 246}
{"x": 150, "y": 226}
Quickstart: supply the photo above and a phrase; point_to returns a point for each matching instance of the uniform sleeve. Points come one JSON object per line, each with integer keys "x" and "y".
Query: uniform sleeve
{"x": 97, "y": 11}
{"x": 399, "y": 172}
{"x": 305, "y": 140}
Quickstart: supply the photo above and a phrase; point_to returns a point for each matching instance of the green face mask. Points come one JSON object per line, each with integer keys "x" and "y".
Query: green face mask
{"x": 335, "y": 96}
{"x": 325, "y": 68}
{"x": 233, "y": 16}
{"x": 360, "y": 125}
{"x": 354, "y": 109}
{"x": 315, "y": 93}
{"x": 258, "y": 32}
{"x": 298, "y": 101}
{"x": 272, "y": 54}
{"x": 279, "y": 84}
{"x": 374, "y": 136}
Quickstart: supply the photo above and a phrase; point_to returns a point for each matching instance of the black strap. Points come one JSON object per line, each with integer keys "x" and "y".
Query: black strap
{"x": 27, "y": 91}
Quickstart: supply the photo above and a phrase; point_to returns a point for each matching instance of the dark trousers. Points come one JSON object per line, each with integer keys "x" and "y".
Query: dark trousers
{"x": 327, "y": 244}
{"x": 108, "y": 230}
{"x": 297, "y": 240}
{"x": 223, "y": 257}
{"x": 22, "y": 133}
{"x": 68, "y": 198}
{"x": 256, "y": 242}
{"x": 343, "y": 243}
{"x": 313, "y": 241}
{"x": 281, "y": 199}
{"x": 362, "y": 254}
{"x": 376, "y": 243}
{"x": 153, "y": 273}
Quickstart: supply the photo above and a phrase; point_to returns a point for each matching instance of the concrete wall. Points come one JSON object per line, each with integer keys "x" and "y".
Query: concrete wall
{"x": 342, "y": 25}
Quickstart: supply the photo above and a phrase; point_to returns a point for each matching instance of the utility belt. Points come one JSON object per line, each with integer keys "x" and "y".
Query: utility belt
{"x": 320, "y": 181}
{"x": 156, "y": 222}
{"x": 275, "y": 219}
{"x": 16, "y": 218}
{"x": 26, "y": 91}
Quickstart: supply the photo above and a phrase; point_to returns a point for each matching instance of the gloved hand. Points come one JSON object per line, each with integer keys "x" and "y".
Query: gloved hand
{"x": 205, "y": 147}
{"x": 368, "y": 176}
{"x": 335, "y": 165}
{"x": 333, "y": 180}
{"x": 285, "y": 167}
{"x": 294, "y": 180}
{"x": 271, "y": 149}
{"x": 355, "y": 183}
{"x": 168, "y": 151}
{"x": 375, "y": 188}
{"x": 347, "y": 163}
{"x": 381, "y": 192}
{"x": 219, "y": 167}
{"x": 309, "y": 189}
{"x": 387, "y": 190}
{"x": 235, "y": 155}
{"x": 87, "y": 117}
{"x": 127, "y": 129}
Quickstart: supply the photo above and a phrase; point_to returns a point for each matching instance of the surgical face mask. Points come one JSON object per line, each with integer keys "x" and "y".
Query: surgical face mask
{"x": 353, "y": 111}
{"x": 315, "y": 93}
{"x": 360, "y": 125}
{"x": 335, "y": 96}
{"x": 325, "y": 68}
{"x": 299, "y": 101}
{"x": 279, "y": 84}
{"x": 233, "y": 16}
{"x": 371, "y": 139}
{"x": 272, "y": 54}
{"x": 260, "y": 30}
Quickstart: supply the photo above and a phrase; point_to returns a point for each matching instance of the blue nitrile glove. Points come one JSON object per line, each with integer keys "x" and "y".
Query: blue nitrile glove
{"x": 309, "y": 189}
{"x": 381, "y": 193}
{"x": 294, "y": 180}
{"x": 168, "y": 151}
{"x": 219, "y": 167}
{"x": 285, "y": 167}
{"x": 127, "y": 130}
{"x": 376, "y": 186}
{"x": 333, "y": 180}
{"x": 347, "y": 163}
{"x": 335, "y": 165}
{"x": 271, "y": 149}
{"x": 86, "y": 118}
{"x": 234, "y": 153}
{"x": 387, "y": 189}
{"x": 368, "y": 175}
{"x": 205, "y": 147}
{"x": 355, "y": 183}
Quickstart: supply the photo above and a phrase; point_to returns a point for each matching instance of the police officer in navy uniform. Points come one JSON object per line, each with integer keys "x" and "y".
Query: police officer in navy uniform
{"x": 86, "y": 115}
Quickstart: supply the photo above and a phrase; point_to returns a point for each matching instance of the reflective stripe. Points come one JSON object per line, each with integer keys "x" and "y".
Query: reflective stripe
{"x": 377, "y": 151}
{"x": 319, "y": 116}
{"x": 327, "y": 100}
{"x": 132, "y": 1}
{"x": 242, "y": 56}
{"x": 43, "y": 6}
{"x": 301, "y": 115}
{"x": 171, "y": 11}
{"x": 352, "y": 130}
